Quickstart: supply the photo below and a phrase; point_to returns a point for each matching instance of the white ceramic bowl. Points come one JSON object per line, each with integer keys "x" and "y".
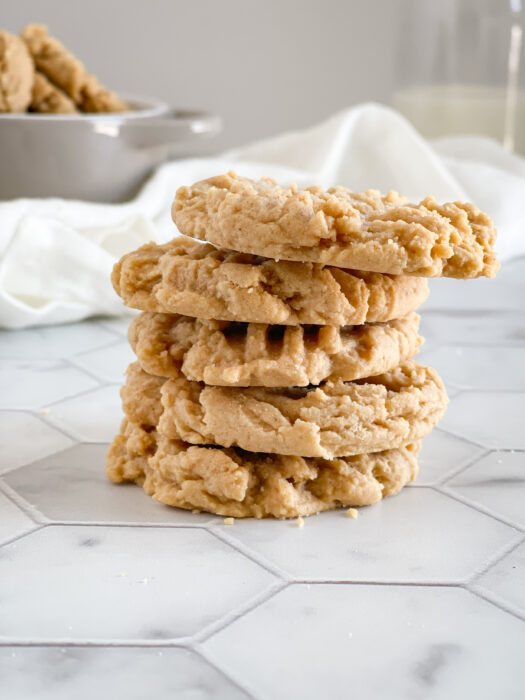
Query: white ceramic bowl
{"x": 95, "y": 157}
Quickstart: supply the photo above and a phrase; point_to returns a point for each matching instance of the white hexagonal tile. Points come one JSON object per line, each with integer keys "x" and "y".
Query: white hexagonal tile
{"x": 443, "y": 454}
{"x": 109, "y": 363}
{"x": 13, "y": 521}
{"x": 496, "y": 482}
{"x": 25, "y": 438}
{"x": 456, "y": 326}
{"x": 492, "y": 419}
{"x": 34, "y": 384}
{"x": 92, "y": 417}
{"x": 120, "y": 583}
{"x": 132, "y": 673}
{"x": 506, "y": 579}
{"x": 336, "y": 641}
{"x": 53, "y": 342}
{"x": 419, "y": 535}
{"x": 491, "y": 368}
{"x": 72, "y": 487}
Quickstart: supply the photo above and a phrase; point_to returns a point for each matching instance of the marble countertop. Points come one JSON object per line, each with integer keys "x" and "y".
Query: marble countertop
{"x": 104, "y": 593}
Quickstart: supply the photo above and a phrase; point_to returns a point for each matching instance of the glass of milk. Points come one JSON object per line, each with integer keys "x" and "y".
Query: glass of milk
{"x": 461, "y": 68}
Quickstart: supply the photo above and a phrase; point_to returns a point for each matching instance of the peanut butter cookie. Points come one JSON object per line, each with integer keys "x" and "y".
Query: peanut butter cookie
{"x": 49, "y": 99}
{"x": 365, "y": 231}
{"x": 17, "y": 74}
{"x": 195, "y": 279}
{"x": 231, "y": 482}
{"x": 65, "y": 70}
{"x": 333, "y": 420}
{"x": 227, "y": 353}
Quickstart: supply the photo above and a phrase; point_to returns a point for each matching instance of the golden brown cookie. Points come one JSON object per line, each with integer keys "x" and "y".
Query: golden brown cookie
{"x": 363, "y": 231}
{"x": 195, "y": 279}
{"x": 240, "y": 484}
{"x": 65, "y": 70}
{"x": 128, "y": 454}
{"x": 333, "y": 420}
{"x": 141, "y": 396}
{"x": 17, "y": 73}
{"x": 49, "y": 99}
{"x": 227, "y": 353}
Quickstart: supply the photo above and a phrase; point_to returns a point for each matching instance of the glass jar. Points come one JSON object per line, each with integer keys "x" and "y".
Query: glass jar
{"x": 461, "y": 68}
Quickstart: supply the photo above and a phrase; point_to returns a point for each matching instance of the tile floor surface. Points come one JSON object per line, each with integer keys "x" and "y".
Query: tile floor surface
{"x": 104, "y": 593}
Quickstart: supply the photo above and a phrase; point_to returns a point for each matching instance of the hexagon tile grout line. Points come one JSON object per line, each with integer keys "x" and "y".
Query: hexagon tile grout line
{"x": 39, "y": 413}
{"x": 107, "y": 324}
{"x": 462, "y": 439}
{"x": 90, "y": 374}
{"x": 124, "y": 523}
{"x": 511, "y": 547}
{"x": 42, "y": 417}
{"x": 509, "y": 450}
{"x": 455, "y": 472}
{"x": 496, "y": 601}
{"x": 80, "y": 437}
{"x": 74, "y": 441}
{"x": 450, "y": 493}
{"x": 250, "y": 692}
{"x": 48, "y": 430}
{"x": 33, "y": 513}
{"x": 116, "y": 341}
{"x": 486, "y": 451}
{"x": 464, "y": 390}
{"x": 20, "y": 536}
{"x": 104, "y": 380}
{"x": 249, "y": 553}
{"x": 466, "y": 441}
{"x": 176, "y": 642}
{"x": 115, "y": 524}
{"x": 236, "y": 614}
{"x": 102, "y": 385}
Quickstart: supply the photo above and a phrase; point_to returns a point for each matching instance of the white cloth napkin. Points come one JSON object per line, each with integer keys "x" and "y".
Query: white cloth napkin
{"x": 56, "y": 256}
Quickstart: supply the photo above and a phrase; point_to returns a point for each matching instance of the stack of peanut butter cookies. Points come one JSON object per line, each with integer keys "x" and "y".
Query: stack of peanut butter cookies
{"x": 274, "y": 372}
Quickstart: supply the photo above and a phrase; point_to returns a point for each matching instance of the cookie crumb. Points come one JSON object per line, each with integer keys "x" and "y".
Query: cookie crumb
{"x": 45, "y": 411}
{"x": 352, "y": 513}
{"x": 299, "y": 522}
{"x": 196, "y": 511}
{"x": 229, "y": 521}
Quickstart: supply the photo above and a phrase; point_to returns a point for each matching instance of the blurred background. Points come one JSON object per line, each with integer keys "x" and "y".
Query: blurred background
{"x": 264, "y": 66}
{"x": 272, "y": 66}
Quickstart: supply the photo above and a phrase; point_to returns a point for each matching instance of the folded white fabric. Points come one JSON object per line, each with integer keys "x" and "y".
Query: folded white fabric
{"x": 56, "y": 255}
